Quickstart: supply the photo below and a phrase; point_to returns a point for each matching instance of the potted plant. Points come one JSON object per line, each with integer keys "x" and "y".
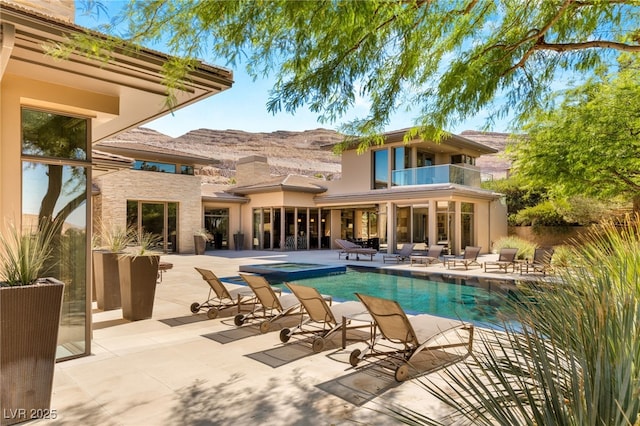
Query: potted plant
{"x": 200, "y": 239}
{"x": 138, "y": 273}
{"x": 238, "y": 240}
{"x": 30, "y": 308}
{"x": 113, "y": 240}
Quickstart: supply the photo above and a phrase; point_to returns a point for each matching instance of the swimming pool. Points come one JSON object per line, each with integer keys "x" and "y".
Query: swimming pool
{"x": 477, "y": 300}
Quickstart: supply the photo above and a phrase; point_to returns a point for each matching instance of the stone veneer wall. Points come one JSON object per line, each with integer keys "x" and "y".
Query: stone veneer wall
{"x": 117, "y": 188}
{"x": 61, "y": 9}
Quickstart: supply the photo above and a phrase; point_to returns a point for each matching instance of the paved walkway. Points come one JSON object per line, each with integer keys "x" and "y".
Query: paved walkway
{"x": 183, "y": 369}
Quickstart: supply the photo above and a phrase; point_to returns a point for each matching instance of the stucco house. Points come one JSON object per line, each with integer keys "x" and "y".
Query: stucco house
{"x": 419, "y": 192}
{"x": 51, "y": 114}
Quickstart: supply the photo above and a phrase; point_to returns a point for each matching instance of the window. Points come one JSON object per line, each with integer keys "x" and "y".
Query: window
{"x": 381, "y": 169}
{"x": 152, "y": 166}
{"x": 424, "y": 159}
{"x": 402, "y": 158}
{"x": 160, "y": 218}
{"x": 463, "y": 159}
{"x": 55, "y": 175}
{"x": 216, "y": 221}
{"x": 467, "y": 220}
{"x": 186, "y": 170}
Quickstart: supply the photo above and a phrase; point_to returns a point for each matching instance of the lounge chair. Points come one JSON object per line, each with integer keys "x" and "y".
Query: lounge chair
{"x": 408, "y": 338}
{"x": 506, "y": 258}
{"x": 220, "y": 297}
{"x": 541, "y": 262}
{"x": 401, "y": 256}
{"x": 347, "y": 248}
{"x": 470, "y": 257}
{"x": 272, "y": 306}
{"x": 320, "y": 320}
{"x": 432, "y": 256}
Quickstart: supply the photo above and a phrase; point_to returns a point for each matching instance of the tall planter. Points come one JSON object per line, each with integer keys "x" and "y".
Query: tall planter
{"x": 238, "y": 241}
{"x": 29, "y": 323}
{"x": 106, "y": 277}
{"x": 138, "y": 277}
{"x": 200, "y": 244}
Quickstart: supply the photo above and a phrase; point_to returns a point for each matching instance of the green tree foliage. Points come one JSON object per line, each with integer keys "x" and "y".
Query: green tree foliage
{"x": 446, "y": 60}
{"x": 519, "y": 194}
{"x": 589, "y": 144}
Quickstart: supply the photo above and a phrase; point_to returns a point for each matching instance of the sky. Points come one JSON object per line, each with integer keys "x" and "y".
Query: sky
{"x": 243, "y": 106}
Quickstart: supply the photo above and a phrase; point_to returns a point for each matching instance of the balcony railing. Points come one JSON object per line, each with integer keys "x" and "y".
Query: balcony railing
{"x": 445, "y": 173}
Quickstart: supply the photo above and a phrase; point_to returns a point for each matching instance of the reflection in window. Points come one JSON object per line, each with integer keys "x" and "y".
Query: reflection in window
{"x": 45, "y": 134}
{"x": 402, "y": 158}
{"x": 186, "y": 170}
{"x": 152, "y": 166}
{"x": 381, "y": 169}
{"x": 467, "y": 213}
{"x": 57, "y": 192}
{"x": 216, "y": 221}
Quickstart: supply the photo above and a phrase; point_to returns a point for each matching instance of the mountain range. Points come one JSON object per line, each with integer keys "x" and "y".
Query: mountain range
{"x": 306, "y": 153}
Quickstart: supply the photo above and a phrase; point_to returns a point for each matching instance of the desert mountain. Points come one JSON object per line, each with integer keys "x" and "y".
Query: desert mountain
{"x": 305, "y": 153}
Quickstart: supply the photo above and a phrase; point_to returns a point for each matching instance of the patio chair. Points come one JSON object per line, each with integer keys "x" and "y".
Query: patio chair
{"x": 347, "y": 248}
{"x": 408, "y": 341}
{"x": 220, "y": 297}
{"x": 401, "y": 256}
{"x": 320, "y": 321}
{"x": 541, "y": 262}
{"x": 432, "y": 256}
{"x": 272, "y": 306}
{"x": 506, "y": 258}
{"x": 470, "y": 257}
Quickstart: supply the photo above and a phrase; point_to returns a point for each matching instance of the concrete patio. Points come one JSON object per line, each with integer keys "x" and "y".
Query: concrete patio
{"x": 183, "y": 369}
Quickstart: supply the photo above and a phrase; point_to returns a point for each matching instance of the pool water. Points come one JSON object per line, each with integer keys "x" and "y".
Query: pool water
{"x": 480, "y": 301}
{"x": 288, "y": 271}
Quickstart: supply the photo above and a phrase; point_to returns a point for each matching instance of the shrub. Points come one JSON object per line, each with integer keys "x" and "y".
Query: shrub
{"x": 525, "y": 248}
{"x": 543, "y": 214}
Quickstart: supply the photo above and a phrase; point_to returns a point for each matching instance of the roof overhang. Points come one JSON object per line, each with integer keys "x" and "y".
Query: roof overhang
{"x": 151, "y": 153}
{"x": 128, "y": 89}
{"x": 414, "y": 192}
{"x": 104, "y": 162}
{"x": 450, "y": 144}
{"x": 275, "y": 188}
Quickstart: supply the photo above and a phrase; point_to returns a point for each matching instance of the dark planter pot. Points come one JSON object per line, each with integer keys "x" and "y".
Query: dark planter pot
{"x": 200, "y": 244}
{"x": 238, "y": 241}
{"x": 138, "y": 277}
{"x": 29, "y": 323}
{"x": 217, "y": 241}
{"x": 107, "y": 280}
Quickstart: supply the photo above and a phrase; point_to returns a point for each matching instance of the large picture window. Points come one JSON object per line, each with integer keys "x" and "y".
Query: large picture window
{"x": 55, "y": 175}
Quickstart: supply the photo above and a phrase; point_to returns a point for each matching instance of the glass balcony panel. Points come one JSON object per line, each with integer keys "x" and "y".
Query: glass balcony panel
{"x": 445, "y": 173}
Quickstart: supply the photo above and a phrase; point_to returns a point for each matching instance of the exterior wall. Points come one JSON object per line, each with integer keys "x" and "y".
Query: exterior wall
{"x": 356, "y": 173}
{"x": 497, "y": 221}
{"x": 62, "y": 9}
{"x": 117, "y": 188}
{"x": 10, "y": 166}
{"x": 299, "y": 199}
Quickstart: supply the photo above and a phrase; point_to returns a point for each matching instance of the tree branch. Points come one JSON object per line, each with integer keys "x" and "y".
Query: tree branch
{"x": 541, "y": 44}
{"x": 624, "y": 178}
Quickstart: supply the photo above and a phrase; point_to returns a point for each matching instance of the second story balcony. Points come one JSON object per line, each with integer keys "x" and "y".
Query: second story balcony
{"x": 445, "y": 173}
